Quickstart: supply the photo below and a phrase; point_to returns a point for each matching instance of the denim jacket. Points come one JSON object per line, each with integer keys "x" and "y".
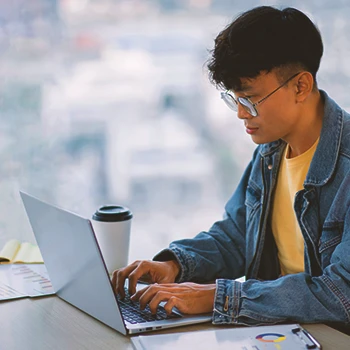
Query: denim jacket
{"x": 243, "y": 244}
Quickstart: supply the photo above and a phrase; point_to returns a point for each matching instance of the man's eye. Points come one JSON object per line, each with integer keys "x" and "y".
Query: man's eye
{"x": 244, "y": 96}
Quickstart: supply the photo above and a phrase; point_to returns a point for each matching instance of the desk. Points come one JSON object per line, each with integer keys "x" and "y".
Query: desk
{"x": 50, "y": 323}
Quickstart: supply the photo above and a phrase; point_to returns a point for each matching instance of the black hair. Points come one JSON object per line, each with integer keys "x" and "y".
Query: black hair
{"x": 262, "y": 39}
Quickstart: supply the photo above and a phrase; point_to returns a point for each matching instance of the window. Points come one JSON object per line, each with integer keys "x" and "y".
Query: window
{"x": 107, "y": 102}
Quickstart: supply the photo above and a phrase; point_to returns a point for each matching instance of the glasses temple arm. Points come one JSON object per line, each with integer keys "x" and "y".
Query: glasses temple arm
{"x": 271, "y": 93}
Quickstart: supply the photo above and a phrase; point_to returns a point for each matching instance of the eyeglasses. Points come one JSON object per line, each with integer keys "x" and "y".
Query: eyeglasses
{"x": 248, "y": 105}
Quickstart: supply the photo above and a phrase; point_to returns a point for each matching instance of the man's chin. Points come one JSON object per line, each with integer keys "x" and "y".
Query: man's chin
{"x": 260, "y": 140}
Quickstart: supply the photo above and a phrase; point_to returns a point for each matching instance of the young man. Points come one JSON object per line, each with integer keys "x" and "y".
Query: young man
{"x": 287, "y": 226}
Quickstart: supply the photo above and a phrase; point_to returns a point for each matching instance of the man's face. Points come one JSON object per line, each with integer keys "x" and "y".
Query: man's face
{"x": 278, "y": 115}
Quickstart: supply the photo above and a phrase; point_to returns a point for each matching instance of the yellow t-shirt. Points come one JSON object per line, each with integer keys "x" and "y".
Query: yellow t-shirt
{"x": 285, "y": 227}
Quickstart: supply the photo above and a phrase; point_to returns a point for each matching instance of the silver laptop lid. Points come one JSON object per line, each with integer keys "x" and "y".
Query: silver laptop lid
{"x": 73, "y": 260}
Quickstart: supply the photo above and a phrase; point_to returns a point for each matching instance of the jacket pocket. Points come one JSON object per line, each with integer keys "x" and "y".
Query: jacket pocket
{"x": 331, "y": 236}
{"x": 252, "y": 200}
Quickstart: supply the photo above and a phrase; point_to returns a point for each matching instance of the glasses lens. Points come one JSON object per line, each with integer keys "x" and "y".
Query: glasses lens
{"x": 248, "y": 106}
{"x": 229, "y": 100}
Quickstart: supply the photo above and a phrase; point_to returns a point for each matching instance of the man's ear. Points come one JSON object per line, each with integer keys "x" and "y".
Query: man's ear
{"x": 304, "y": 86}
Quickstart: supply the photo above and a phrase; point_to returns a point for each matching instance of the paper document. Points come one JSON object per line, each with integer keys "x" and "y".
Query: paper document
{"x": 280, "y": 337}
{"x": 19, "y": 281}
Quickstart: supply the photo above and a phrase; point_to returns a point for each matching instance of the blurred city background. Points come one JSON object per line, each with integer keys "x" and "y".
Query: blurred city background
{"x": 108, "y": 101}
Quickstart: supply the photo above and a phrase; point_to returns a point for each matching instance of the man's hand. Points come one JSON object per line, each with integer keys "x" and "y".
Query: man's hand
{"x": 189, "y": 298}
{"x": 154, "y": 271}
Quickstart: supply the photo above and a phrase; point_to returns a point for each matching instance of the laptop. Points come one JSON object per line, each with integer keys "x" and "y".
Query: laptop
{"x": 79, "y": 276}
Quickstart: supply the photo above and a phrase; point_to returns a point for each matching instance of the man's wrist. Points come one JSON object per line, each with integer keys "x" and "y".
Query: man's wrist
{"x": 175, "y": 267}
{"x": 175, "y": 255}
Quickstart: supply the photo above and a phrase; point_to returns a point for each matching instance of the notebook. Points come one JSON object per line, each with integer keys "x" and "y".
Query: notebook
{"x": 78, "y": 273}
{"x": 15, "y": 252}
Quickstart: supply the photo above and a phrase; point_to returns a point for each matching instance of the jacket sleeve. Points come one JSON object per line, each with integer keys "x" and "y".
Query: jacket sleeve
{"x": 298, "y": 298}
{"x": 220, "y": 252}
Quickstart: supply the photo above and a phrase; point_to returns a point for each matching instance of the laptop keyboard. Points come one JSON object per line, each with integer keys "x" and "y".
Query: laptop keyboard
{"x": 133, "y": 314}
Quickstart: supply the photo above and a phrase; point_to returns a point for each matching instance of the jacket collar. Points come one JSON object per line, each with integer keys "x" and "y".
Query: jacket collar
{"x": 326, "y": 155}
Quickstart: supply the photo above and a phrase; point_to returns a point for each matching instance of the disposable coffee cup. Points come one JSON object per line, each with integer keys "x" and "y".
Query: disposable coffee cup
{"x": 112, "y": 225}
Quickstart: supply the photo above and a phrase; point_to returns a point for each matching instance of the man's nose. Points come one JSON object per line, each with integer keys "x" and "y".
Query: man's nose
{"x": 242, "y": 113}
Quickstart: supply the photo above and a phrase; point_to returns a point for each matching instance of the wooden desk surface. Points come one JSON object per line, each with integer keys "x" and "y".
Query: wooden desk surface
{"x": 50, "y": 323}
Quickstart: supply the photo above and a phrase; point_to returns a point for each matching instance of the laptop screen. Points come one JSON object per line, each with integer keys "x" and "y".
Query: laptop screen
{"x": 73, "y": 260}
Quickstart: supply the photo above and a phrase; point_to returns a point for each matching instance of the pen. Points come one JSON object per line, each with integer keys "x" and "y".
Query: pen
{"x": 309, "y": 340}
